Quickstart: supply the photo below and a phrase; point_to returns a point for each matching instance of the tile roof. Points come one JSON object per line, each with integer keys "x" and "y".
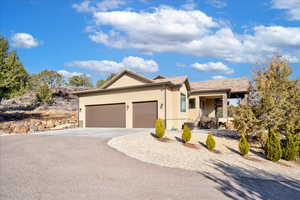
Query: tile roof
{"x": 177, "y": 80}
{"x": 234, "y": 84}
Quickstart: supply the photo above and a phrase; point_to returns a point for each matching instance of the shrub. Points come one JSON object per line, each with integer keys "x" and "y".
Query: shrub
{"x": 210, "y": 142}
{"x": 273, "y": 149}
{"x": 44, "y": 94}
{"x": 243, "y": 145}
{"x": 290, "y": 147}
{"x": 159, "y": 128}
{"x": 186, "y": 134}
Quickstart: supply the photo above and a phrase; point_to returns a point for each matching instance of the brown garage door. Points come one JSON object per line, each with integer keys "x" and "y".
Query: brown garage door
{"x": 144, "y": 114}
{"x": 113, "y": 115}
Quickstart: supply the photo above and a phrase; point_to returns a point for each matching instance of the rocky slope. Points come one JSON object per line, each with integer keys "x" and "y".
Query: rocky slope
{"x": 24, "y": 114}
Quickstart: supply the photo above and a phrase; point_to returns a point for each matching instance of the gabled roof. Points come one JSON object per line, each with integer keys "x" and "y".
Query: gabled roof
{"x": 127, "y": 71}
{"x": 159, "y": 77}
{"x": 177, "y": 80}
{"x": 233, "y": 84}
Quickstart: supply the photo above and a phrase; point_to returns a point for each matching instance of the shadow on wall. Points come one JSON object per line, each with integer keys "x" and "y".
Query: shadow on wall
{"x": 245, "y": 184}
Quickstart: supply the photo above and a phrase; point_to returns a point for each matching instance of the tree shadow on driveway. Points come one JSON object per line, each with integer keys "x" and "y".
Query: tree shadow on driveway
{"x": 241, "y": 183}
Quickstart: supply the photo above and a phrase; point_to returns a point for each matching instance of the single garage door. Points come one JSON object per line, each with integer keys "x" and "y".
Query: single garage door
{"x": 144, "y": 114}
{"x": 113, "y": 115}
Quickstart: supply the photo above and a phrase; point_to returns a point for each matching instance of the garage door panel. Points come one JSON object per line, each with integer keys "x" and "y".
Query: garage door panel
{"x": 144, "y": 114}
{"x": 106, "y": 116}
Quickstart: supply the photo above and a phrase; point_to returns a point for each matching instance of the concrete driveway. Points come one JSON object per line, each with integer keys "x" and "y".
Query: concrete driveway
{"x": 97, "y": 132}
{"x": 60, "y": 167}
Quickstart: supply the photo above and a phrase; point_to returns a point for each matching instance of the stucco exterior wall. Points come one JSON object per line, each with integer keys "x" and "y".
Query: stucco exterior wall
{"x": 209, "y": 104}
{"x": 195, "y": 112}
{"x": 174, "y": 118}
{"x": 125, "y": 81}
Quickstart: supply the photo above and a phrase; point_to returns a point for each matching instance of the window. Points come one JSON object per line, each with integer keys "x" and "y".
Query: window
{"x": 192, "y": 103}
{"x": 182, "y": 103}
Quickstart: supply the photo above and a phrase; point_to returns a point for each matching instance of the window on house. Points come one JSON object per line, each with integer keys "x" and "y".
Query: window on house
{"x": 182, "y": 103}
{"x": 192, "y": 103}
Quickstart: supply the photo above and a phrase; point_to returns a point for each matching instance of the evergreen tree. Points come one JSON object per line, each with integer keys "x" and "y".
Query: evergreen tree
{"x": 13, "y": 76}
{"x": 243, "y": 145}
{"x": 80, "y": 81}
{"x": 273, "y": 149}
{"x": 273, "y": 102}
{"x": 210, "y": 142}
{"x": 159, "y": 128}
{"x": 290, "y": 147}
{"x": 52, "y": 78}
{"x": 186, "y": 134}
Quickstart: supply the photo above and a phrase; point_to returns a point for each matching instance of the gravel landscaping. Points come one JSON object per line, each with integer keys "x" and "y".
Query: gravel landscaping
{"x": 172, "y": 153}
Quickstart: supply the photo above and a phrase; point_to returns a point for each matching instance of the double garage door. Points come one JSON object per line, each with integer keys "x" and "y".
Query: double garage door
{"x": 144, "y": 115}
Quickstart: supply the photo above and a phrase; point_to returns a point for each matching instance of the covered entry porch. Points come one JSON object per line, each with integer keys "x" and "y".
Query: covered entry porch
{"x": 212, "y": 106}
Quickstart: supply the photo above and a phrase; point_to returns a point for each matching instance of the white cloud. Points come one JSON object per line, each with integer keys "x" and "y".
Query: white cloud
{"x": 106, "y": 66}
{"x": 189, "y": 5}
{"x": 68, "y": 74}
{"x": 110, "y": 4}
{"x": 215, "y": 67}
{"x": 192, "y": 32}
{"x": 217, "y": 3}
{"x": 93, "y": 6}
{"x": 218, "y": 77}
{"x": 24, "y": 40}
{"x": 291, "y": 6}
{"x": 140, "y": 64}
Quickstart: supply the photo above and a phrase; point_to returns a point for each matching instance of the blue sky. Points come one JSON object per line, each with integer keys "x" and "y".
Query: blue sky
{"x": 203, "y": 39}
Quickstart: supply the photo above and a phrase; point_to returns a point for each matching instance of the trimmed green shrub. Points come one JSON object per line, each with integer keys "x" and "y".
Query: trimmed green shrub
{"x": 243, "y": 145}
{"x": 290, "y": 147}
{"x": 210, "y": 142}
{"x": 186, "y": 134}
{"x": 273, "y": 149}
{"x": 159, "y": 128}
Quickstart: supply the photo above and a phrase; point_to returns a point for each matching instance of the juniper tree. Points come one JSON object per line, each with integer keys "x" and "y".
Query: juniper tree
{"x": 274, "y": 101}
{"x": 13, "y": 76}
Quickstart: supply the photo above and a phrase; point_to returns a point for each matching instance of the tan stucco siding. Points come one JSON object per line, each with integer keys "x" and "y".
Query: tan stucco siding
{"x": 195, "y": 112}
{"x": 176, "y": 118}
{"x": 209, "y": 105}
{"x": 125, "y": 81}
{"x": 168, "y": 100}
{"x": 123, "y": 96}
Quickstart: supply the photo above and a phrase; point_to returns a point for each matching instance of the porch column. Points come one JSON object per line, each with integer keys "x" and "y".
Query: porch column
{"x": 244, "y": 99}
{"x": 225, "y": 112}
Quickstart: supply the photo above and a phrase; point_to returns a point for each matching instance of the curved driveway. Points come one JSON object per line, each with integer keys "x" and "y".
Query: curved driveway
{"x": 60, "y": 167}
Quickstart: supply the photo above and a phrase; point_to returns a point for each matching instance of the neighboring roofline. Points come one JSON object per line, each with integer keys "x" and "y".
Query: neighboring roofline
{"x": 123, "y": 88}
{"x": 119, "y": 75}
{"x": 159, "y": 77}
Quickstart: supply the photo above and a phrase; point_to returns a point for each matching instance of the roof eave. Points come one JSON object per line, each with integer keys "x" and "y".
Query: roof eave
{"x": 122, "y": 88}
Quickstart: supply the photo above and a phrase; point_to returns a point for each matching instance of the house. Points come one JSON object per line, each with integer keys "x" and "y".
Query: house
{"x": 131, "y": 100}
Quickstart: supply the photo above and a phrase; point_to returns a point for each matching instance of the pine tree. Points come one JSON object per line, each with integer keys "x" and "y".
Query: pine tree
{"x": 13, "y": 76}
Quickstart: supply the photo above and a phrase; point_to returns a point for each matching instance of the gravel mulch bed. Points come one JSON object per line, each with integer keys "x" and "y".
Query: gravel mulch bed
{"x": 195, "y": 156}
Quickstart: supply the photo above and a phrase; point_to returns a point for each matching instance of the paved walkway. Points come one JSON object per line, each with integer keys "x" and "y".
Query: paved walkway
{"x": 97, "y": 132}
{"x": 59, "y": 167}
